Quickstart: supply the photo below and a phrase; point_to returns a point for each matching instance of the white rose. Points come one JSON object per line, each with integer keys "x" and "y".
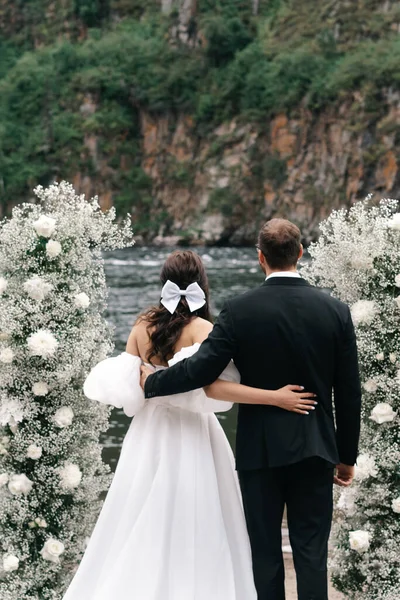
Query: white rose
{"x": 394, "y": 222}
{"x": 10, "y": 563}
{"x": 37, "y": 288}
{"x": 40, "y": 388}
{"x": 53, "y": 248}
{"x": 70, "y": 476}
{"x": 20, "y": 484}
{"x": 45, "y": 226}
{"x": 393, "y": 358}
{"x": 34, "y": 452}
{"x": 3, "y": 479}
{"x": 82, "y": 300}
{"x": 11, "y": 412}
{"x": 52, "y": 550}
{"x": 3, "y": 450}
{"x": 3, "y": 285}
{"x": 370, "y": 386}
{"x": 4, "y": 336}
{"x": 359, "y": 540}
{"x": 5, "y": 441}
{"x": 365, "y": 467}
{"x": 4, "y": 444}
{"x": 63, "y": 416}
{"x": 42, "y": 343}
{"x": 6, "y": 355}
{"x": 380, "y": 356}
{"x": 382, "y": 413}
{"x": 363, "y": 312}
{"x": 41, "y": 522}
{"x": 13, "y": 425}
{"x": 396, "y": 505}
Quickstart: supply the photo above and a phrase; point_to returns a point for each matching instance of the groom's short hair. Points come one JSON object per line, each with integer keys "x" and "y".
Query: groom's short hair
{"x": 280, "y": 242}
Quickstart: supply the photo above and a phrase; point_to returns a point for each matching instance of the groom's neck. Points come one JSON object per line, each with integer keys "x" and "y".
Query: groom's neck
{"x": 269, "y": 271}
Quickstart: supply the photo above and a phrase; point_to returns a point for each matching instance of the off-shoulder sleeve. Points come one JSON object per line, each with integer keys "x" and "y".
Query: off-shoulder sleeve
{"x": 230, "y": 373}
{"x": 196, "y": 400}
{"x": 116, "y": 381}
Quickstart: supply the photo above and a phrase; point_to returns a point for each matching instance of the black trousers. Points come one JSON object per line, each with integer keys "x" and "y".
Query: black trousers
{"x": 306, "y": 490}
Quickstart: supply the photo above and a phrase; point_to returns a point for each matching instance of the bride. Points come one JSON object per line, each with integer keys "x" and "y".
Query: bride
{"x": 172, "y": 526}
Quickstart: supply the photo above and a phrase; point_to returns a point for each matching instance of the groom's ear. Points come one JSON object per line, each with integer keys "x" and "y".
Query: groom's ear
{"x": 262, "y": 261}
{"x": 301, "y": 251}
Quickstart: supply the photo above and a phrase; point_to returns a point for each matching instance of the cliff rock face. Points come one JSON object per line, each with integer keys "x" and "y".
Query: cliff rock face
{"x": 219, "y": 189}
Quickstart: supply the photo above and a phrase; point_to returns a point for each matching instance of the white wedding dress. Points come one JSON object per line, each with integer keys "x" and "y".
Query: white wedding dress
{"x": 172, "y": 525}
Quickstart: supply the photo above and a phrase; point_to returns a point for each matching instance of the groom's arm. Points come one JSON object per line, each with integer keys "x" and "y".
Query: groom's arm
{"x": 201, "y": 369}
{"x": 347, "y": 395}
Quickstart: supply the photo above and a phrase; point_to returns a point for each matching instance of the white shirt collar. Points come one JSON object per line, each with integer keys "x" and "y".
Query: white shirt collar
{"x": 284, "y": 274}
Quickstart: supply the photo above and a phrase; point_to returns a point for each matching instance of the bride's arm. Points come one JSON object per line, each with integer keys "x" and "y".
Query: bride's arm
{"x": 131, "y": 344}
{"x": 291, "y": 397}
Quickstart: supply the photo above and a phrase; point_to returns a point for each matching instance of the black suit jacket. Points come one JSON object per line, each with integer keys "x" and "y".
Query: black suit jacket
{"x": 285, "y": 332}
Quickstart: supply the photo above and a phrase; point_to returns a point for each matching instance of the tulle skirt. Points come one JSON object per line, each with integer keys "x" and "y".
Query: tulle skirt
{"x": 172, "y": 526}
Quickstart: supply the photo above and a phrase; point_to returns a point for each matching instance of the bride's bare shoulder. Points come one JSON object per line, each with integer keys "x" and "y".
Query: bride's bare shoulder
{"x": 138, "y": 337}
{"x": 199, "y": 330}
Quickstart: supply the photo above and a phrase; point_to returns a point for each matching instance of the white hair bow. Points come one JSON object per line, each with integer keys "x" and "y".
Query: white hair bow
{"x": 171, "y": 295}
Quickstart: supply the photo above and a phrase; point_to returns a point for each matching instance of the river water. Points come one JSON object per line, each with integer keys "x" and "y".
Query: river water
{"x": 133, "y": 282}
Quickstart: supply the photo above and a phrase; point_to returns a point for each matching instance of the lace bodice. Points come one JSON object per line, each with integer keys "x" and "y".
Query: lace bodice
{"x": 116, "y": 381}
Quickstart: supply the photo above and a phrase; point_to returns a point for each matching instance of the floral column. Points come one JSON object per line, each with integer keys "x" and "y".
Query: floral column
{"x": 358, "y": 258}
{"x": 52, "y": 332}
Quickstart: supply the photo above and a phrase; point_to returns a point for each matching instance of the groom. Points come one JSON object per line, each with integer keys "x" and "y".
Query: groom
{"x": 284, "y": 332}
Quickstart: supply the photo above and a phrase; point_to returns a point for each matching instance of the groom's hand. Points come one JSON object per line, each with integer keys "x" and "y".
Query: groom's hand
{"x": 344, "y": 475}
{"x": 144, "y": 373}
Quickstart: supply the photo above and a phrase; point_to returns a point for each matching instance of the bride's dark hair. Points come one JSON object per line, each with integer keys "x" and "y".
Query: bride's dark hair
{"x": 182, "y": 267}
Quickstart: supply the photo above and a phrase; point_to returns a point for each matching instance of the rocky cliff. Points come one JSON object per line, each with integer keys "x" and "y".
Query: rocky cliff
{"x": 218, "y": 189}
{"x": 191, "y": 174}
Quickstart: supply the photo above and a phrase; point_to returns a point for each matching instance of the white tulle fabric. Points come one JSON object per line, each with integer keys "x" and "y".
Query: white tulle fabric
{"x": 172, "y": 525}
{"x": 116, "y": 381}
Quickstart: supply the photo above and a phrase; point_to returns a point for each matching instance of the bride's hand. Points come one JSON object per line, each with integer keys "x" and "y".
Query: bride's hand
{"x": 294, "y": 399}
